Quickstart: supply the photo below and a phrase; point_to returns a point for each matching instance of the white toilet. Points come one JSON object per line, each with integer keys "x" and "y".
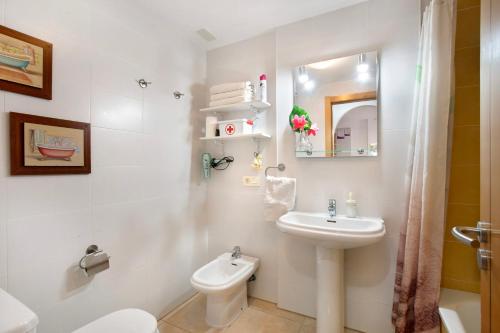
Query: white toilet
{"x": 224, "y": 281}
{"x": 16, "y": 317}
{"x": 126, "y": 321}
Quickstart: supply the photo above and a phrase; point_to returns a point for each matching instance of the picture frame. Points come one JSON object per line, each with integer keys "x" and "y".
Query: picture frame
{"x": 48, "y": 146}
{"x": 25, "y": 64}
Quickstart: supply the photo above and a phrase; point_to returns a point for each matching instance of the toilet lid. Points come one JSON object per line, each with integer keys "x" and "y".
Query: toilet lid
{"x": 15, "y": 317}
{"x": 123, "y": 321}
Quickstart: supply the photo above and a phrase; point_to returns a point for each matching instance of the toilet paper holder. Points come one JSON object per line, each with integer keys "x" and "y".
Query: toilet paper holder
{"x": 94, "y": 261}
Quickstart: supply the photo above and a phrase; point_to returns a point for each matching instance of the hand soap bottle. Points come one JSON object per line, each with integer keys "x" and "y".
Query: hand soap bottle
{"x": 351, "y": 206}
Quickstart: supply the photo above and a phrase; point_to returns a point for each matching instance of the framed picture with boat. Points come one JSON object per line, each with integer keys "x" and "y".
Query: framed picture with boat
{"x": 25, "y": 64}
{"x": 48, "y": 146}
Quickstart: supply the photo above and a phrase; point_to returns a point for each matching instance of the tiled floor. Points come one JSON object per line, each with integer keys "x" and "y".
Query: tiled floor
{"x": 260, "y": 317}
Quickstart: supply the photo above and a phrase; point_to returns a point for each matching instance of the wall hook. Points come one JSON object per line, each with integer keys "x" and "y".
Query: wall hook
{"x": 178, "y": 94}
{"x": 143, "y": 83}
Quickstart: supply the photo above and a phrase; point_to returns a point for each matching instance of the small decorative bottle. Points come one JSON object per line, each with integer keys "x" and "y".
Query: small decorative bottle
{"x": 351, "y": 206}
{"x": 263, "y": 88}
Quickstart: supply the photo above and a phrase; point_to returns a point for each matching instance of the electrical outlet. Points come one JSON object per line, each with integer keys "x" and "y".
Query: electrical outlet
{"x": 251, "y": 181}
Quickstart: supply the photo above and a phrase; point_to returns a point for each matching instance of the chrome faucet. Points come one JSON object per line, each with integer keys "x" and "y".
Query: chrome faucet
{"x": 236, "y": 252}
{"x": 332, "y": 207}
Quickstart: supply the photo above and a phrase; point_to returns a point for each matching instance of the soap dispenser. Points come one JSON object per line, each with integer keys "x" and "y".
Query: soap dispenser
{"x": 351, "y": 206}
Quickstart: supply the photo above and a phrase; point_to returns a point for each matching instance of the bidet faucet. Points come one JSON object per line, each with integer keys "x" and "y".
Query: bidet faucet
{"x": 236, "y": 252}
{"x": 332, "y": 207}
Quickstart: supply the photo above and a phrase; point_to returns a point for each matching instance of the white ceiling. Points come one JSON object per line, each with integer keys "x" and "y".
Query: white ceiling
{"x": 234, "y": 20}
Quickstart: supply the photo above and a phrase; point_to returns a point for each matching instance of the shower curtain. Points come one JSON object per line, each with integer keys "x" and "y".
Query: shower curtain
{"x": 418, "y": 274}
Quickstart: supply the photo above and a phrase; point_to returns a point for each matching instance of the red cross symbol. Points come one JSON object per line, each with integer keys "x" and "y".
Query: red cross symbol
{"x": 229, "y": 129}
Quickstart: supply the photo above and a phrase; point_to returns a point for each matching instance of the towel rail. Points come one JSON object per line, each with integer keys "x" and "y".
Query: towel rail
{"x": 280, "y": 167}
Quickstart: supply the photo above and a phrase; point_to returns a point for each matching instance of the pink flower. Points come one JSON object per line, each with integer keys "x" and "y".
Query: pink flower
{"x": 299, "y": 122}
{"x": 314, "y": 130}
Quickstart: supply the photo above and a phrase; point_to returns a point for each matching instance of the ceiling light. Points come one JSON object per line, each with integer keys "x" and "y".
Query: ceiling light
{"x": 363, "y": 66}
{"x": 303, "y": 77}
{"x": 309, "y": 85}
{"x": 363, "y": 77}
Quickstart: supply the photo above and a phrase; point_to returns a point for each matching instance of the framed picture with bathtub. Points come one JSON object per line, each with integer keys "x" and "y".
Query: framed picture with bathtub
{"x": 25, "y": 64}
{"x": 48, "y": 146}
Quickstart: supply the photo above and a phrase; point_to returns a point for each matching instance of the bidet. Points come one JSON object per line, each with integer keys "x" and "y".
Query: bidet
{"x": 224, "y": 281}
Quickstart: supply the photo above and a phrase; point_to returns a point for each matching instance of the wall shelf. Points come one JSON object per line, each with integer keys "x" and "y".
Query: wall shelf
{"x": 244, "y": 106}
{"x": 255, "y": 136}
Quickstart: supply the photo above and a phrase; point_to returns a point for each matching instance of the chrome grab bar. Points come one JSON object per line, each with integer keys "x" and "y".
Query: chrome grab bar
{"x": 460, "y": 233}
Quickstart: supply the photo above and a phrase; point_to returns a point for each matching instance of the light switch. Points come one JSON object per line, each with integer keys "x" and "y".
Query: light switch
{"x": 251, "y": 181}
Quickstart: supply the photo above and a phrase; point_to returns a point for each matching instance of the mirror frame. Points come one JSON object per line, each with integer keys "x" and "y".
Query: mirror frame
{"x": 330, "y": 102}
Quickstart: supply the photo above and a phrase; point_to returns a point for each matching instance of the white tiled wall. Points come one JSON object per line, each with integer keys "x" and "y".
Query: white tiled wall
{"x": 142, "y": 200}
{"x": 236, "y": 212}
{"x": 391, "y": 27}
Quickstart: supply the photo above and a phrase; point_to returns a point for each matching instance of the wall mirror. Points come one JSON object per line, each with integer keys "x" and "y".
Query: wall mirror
{"x": 339, "y": 99}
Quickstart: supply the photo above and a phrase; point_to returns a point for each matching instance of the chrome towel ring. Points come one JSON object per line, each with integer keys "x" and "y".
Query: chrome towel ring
{"x": 280, "y": 167}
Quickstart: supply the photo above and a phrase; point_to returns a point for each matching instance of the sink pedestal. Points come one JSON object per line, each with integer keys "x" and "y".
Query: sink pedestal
{"x": 330, "y": 290}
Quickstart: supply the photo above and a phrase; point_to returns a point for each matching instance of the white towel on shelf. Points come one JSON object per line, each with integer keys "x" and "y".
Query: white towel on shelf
{"x": 279, "y": 197}
{"x": 232, "y": 100}
{"x": 230, "y": 94}
{"x": 225, "y": 87}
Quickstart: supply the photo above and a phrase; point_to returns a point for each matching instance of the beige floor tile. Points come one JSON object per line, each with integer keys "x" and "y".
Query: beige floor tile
{"x": 249, "y": 321}
{"x": 260, "y": 317}
{"x": 309, "y": 321}
{"x": 312, "y": 329}
{"x": 258, "y": 321}
{"x": 191, "y": 317}
{"x": 178, "y": 309}
{"x": 308, "y": 329}
{"x": 281, "y": 325}
{"x": 309, "y": 326}
{"x": 260, "y": 304}
{"x": 272, "y": 309}
{"x": 298, "y": 318}
{"x": 167, "y": 328}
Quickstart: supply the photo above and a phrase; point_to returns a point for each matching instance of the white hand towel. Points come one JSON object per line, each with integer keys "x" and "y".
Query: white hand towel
{"x": 225, "y": 87}
{"x": 279, "y": 197}
{"x": 232, "y": 100}
{"x": 235, "y": 93}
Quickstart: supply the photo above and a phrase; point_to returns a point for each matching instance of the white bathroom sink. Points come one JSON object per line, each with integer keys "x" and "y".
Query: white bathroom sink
{"x": 331, "y": 236}
{"x": 339, "y": 232}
